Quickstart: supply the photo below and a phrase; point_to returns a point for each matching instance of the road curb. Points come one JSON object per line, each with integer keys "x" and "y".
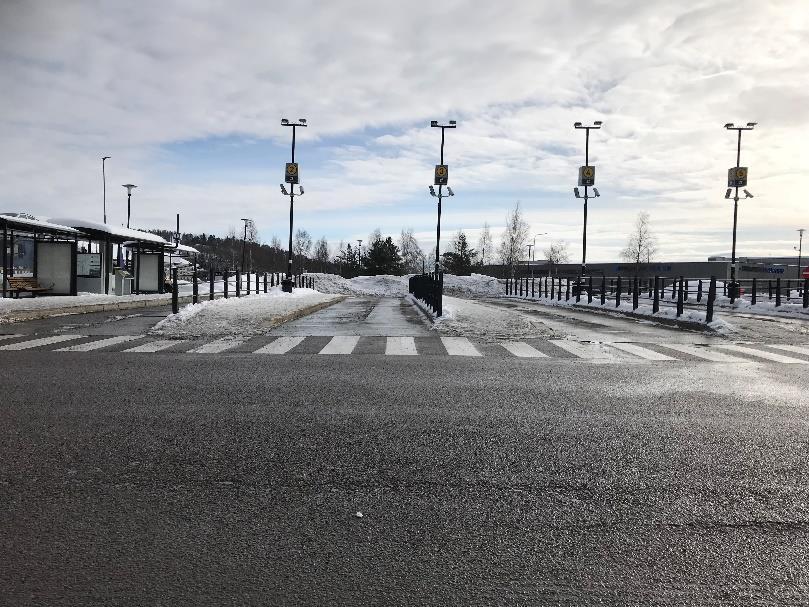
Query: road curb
{"x": 23, "y": 315}
{"x": 279, "y": 320}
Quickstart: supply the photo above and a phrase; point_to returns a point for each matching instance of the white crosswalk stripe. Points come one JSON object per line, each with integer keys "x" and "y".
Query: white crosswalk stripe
{"x": 341, "y": 344}
{"x": 42, "y": 341}
{"x": 101, "y": 343}
{"x": 400, "y": 346}
{"x": 156, "y": 346}
{"x": 777, "y": 358}
{"x": 596, "y": 352}
{"x": 281, "y": 345}
{"x": 640, "y": 351}
{"x": 219, "y": 345}
{"x": 705, "y": 353}
{"x": 459, "y": 346}
{"x": 523, "y": 350}
{"x": 796, "y": 349}
{"x": 11, "y": 336}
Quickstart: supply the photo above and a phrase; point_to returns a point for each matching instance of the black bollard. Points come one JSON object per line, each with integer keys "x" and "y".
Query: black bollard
{"x": 656, "y": 300}
{"x": 635, "y": 292}
{"x": 618, "y": 292}
{"x": 175, "y": 307}
{"x": 778, "y": 292}
{"x": 711, "y": 299}
{"x": 753, "y": 294}
{"x": 211, "y": 276}
{"x": 225, "y": 279}
{"x": 590, "y": 289}
{"x": 603, "y": 289}
{"x": 680, "y": 298}
{"x": 699, "y": 291}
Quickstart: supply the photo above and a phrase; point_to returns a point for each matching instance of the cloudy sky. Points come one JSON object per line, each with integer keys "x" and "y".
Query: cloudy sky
{"x": 186, "y": 97}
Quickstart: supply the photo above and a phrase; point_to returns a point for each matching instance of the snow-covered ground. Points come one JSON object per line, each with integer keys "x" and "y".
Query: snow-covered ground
{"x": 688, "y": 315}
{"x": 467, "y": 318}
{"x": 245, "y": 316}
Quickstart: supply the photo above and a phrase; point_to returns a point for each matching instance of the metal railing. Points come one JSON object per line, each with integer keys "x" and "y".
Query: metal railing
{"x": 678, "y": 291}
{"x": 429, "y": 288}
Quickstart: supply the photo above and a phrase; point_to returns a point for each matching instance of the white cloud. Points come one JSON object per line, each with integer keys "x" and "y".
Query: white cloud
{"x": 82, "y": 80}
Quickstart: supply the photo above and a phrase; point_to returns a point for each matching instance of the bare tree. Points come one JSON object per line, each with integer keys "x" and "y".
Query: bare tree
{"x": 514, "y": 238}
{"x": 484, "y": 242}
{"x": 322, "y": 253}
{"x": 411, "y": 253}
{"x": 642, "y": 244}
{"x": 302, "y": 246}
{"x": 275, "y": 243}
{"x": 556, "y": 253}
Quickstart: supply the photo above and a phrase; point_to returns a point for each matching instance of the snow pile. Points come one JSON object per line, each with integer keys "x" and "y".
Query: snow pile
{"x": 462, "y": 317}
{"x": 9, "y": 306}
{"x": 476, "y": 285}
{"x": 250, "y": 315}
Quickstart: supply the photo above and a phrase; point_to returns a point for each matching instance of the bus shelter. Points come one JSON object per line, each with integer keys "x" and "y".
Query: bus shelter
{"x": 43, "y": 250}
{"x": 97, "y": 262}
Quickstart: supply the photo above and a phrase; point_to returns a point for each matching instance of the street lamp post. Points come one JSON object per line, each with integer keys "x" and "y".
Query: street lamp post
{"x": 104, "y": 182}
{"x": 359, "y": 251}
{"x": 441, "y": 180}
{"x": 737, "y": 178}
{"x": 587, "y": 178}
{"x": 533, "y": 253}
{"x": 129, "y": 187}
{"x": 292, "y": 178}
{"x": 800, "y": 250}
{"x": 244, "y": 239}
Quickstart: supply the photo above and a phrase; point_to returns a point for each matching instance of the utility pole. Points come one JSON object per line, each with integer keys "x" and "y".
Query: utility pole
{"x": 244, "y": 239}
{"x": 800, "y": 249}
{"x": 737, "y": 178}
{"x": 104, "y": 182}
{"x": 441, "y": 180}
{"x": 291, "y": 177}
{"x": 587, "y": 178}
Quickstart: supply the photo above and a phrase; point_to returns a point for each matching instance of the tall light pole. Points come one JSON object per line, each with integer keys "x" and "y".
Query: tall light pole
{"x": 129, "y": 187}
{"x": 587, "y": 178}
{"x": 441, "y": 180}
{"x": 359, "y": 251}
{"x": 104, "y": 182}
{"x": 530, "y": 258}
{"x": 737, "y": 178}
{"x": 291, "y": 176}
{"x": 533, "y": 252}
{"x": 244, "y": 238}
{"x": 800, "y": 250}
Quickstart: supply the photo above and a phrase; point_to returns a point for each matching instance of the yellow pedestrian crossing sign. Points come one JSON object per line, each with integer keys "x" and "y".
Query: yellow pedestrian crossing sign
{"x": 737, "y": 177}
{"x": 291, "y": 175}
{"x": 441, "y": 174}
{"x": 587, "y": 175}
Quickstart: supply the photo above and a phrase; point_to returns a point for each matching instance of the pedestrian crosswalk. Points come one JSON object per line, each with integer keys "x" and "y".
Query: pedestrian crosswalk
{"x": 404, "y": 346}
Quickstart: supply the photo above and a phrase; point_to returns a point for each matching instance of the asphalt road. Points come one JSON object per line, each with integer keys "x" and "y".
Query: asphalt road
{"x": 173, "y": 479}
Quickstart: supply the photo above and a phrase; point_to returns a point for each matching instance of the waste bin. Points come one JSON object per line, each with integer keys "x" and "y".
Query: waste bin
{"x": 123, "y": 283}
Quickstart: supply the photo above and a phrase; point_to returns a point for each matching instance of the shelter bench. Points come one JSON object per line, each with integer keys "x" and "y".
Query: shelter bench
{"x": 25, "y": 284}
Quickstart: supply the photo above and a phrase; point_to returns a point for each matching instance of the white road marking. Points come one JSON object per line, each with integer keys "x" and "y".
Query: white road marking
{"x": 706, "y": 353}
{"x": 12, "y": 336}
{"x": 400, "y": 346}
{"x": 777, "y": 358}
{"x": 459, "y": 346}
{"x": 42, "y": 341}
{"x": 797, "y": 349}
{"x": 281, "y": 345}
{"x": 637, "y": 350}
{"x": 219, "y": 345}
{"x": 588, "y": 351}
{"x": 101, "y": 343}
{"x": 523, "y": 350}
{"x": 341, "y": 344}
{"x": 156, "y": 346}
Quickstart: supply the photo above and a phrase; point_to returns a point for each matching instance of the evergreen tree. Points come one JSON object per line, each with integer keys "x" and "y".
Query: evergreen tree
{"x": 460, "y": 260}
{"x": 382, "y": 257}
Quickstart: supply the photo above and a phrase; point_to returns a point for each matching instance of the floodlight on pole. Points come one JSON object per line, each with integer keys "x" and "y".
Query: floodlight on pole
{"x": 244, "y": 239}
{"x": 441, "y": 179}
{"x": 587, "y": 180}
{"x": 595, "y": 191}
{"x": 727, "y": 194}
{"x": 737, "y": 178}
{"x": 450, "y": 192}
{"x": 292, "y": 177}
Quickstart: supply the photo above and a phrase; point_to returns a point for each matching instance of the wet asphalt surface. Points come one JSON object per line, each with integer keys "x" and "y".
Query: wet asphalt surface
{"x": 165, "y": 479}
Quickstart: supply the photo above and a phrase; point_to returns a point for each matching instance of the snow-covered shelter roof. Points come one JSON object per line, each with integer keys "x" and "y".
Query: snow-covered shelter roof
{"x": 114, "y": 233}
{"x": 184, "y": 248}
{"x": 24, "y": 222}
